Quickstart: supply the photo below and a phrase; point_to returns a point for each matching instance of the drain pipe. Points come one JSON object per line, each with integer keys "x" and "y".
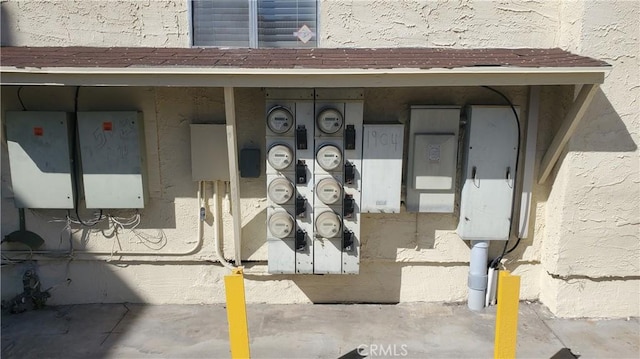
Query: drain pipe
{"x": 478, "y": 274}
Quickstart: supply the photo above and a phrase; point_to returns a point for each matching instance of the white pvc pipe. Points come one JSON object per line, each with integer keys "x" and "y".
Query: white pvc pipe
{"x": 478, "y": 274}
{"x": 217, "y": 222}
{"x": 490, "y": 282}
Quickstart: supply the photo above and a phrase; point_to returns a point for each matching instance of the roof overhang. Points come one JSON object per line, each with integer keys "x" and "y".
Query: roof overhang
{"x": 248, "y": 77}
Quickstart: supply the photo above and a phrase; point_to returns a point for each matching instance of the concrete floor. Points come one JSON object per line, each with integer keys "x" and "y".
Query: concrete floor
{"x": 306, "y": 331}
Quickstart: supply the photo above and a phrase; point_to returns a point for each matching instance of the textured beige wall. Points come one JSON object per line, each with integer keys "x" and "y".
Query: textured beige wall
{"x": 147, "y": 23}
{"x": 592, "y": 245}
{"x": 461, "y": 24}
{"x": 584, "y": 241}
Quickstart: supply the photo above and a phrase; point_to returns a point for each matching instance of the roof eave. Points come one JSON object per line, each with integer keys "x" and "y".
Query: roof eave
{"x": 301, "y": 77}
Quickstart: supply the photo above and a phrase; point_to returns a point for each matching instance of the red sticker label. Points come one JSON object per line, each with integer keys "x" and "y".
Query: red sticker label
{"x": 37, "y": 131}
{"x": 107, "y": 126}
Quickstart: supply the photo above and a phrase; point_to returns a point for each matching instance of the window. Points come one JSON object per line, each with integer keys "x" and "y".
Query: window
{"x": 254, "y": 23}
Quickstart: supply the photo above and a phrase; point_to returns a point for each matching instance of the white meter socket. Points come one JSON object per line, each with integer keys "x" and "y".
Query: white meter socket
{"x": 329, "y": 157}
{"x": 279, "y": 120}
{"x": 280, "y": 157}
{"x": 280, "y": 190}
{"x": 329, "y": 191}
{"x": 328, "y": 224}
{"x": 280, "y": 224}
{"x": 329, "y": 121}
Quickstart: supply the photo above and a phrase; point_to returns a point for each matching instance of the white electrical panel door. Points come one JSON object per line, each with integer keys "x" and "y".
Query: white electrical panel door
{"x": 489, "y": 173}
{"x": 40, "y": 159}
{"x": 112, "y": 152}
{"x": 382, "y": 168}
{"x": 209, "y": 153}
{"x": 433, "y": 153}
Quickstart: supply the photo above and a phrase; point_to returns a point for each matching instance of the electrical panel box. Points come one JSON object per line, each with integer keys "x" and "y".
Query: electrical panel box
{"x": 433, "y": 153}
{"x": 209, "y": 153}
{"x": 382, "y": 159}
{"x": 490, "y": 156}
{"x": 112, "y": 157}
{"x": 313, "y": 167}
{"x": 289, "y": 119}
{"x": 40, "y": 159}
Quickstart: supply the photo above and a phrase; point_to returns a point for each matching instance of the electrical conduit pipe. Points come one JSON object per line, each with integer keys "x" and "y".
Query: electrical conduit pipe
{"x": 193, "y": 250}
{"x": 217, "y": 218}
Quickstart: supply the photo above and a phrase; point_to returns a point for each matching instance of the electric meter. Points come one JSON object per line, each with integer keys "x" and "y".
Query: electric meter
{"x": 280, "y": 224}
{"x": 329, "y": 191}
{"x": 329, "y": 121}
{"x": 279, "y": 120}
{"x": 328, "y": 224}
{"x": 329, "y": 157}
{"x": 280, "y": 190}
{"x": 280, "y": 157}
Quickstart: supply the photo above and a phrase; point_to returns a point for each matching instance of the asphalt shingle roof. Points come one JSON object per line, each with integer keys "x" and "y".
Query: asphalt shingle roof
{"x": 316, "y": 58}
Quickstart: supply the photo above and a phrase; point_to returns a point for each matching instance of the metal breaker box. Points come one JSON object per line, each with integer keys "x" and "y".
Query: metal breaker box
{"x": 112, "y": 157}
{"x": 488, "y": 173}
{"x": 433, "y": 151}
{"x": 382, "y": 168}
{"x": 40, "y": 159}
{"x": 209, "y": 153}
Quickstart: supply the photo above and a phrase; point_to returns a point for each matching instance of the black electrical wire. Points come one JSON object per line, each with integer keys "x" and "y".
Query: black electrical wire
{"x": 74, "y": 155}
{"x": 20, "y": 98}
{"x": 496, "y": 261}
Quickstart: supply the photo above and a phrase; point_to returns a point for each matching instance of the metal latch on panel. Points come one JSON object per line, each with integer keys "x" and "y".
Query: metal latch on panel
{"x": 301, "y": 240}
{"x": 301, "y": 137}
{"x": 349, "y": 206}
{"x": 347, "y": 241}
{"x": 301, "y": 172}
{"x": 350, "y": 138}
{"x": 349, "y": 173}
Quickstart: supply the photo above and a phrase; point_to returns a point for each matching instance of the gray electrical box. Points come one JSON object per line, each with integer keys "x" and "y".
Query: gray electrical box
{"x": 209, "y": 153}
{"x": 488, "y": 173}
{"x": 382, "y": 168}
{"x": 112, "y": 154}
{"x": 40, "y": 159}
{"x": 433, "y": 154}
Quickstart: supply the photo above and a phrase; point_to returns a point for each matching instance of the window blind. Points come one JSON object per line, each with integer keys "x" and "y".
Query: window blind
{"x": 223, "y": 23}
{"x": 227, "y": 23}
{"x": 278, "y": 20}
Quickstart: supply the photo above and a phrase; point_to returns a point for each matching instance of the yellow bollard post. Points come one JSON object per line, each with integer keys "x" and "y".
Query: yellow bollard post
{"x": 507, "y": 316}
{"x": 237, "y": 314}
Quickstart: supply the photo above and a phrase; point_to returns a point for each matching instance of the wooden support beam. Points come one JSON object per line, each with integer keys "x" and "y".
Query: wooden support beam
{"x": 568, "y": 127}
{"x": 234, "y": 172}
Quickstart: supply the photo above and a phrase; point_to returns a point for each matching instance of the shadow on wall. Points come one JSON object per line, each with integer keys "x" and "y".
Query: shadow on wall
{"x": 74, "y": 332}
{"x": 90, "y": 279}
{"x": 377, "y": 282}
{"x": 602, "y": 129}
{"x": 6, "y": 35}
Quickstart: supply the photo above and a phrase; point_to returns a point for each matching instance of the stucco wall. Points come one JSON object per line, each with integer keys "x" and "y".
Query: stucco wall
{"x": 147, "y": 23}
{"x": 592, "y": 248}
{"x": 584, "y": 243}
